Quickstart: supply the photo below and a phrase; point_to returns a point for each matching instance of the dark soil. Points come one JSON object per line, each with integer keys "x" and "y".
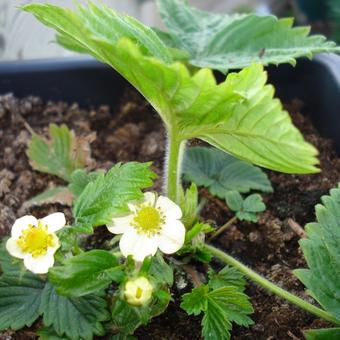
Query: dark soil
{"x": 132, "y": 131}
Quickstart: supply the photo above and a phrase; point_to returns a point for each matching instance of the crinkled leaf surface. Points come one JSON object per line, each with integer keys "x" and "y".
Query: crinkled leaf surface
{"x": 223, "y": 42}
{"x": 61, "y": 154}
{"x": 109, "y": 194}
{"x": 238, "y": 116}
{"x": 85, "y": 273}
{"x": 321, "y": 249}
{"x": 221, "y": 307}
{"x": 20, "y": 298}
{"x": 80, "y": 179}
{"x": 220, "y": 172}
{"x": 228, "y": 276}
{"x": 77, "y": 318}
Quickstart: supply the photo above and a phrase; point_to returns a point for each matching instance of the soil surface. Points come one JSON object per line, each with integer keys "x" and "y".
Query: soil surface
{"x": 132, "y": 131}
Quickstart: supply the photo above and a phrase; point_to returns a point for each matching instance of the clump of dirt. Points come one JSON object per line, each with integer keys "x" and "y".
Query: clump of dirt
{"x": 132, "y": 131}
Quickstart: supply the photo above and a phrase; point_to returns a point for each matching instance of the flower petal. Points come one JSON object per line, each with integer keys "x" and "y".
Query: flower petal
{"x": 14, "y": 249}
{"x": 21, "y": 224}
{"x": 138, "y": 245}
{"x": 120, "y": 225}
{"x": 54, "y": 221}
{"x": 40, "y": 264}
{"x": 149, "y": 198}
{"x": 172, "y": 237}
{"x": 169, "y": 208}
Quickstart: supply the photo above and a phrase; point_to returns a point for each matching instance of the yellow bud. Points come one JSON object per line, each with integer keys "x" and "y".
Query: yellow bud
{"x": 138, "y": 291}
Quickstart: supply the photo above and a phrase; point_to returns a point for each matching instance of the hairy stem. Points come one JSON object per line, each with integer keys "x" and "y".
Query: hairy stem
{"x": 223, "y": 228}
{"x": 173, "y": 166}
{"x": 261, "y": 281}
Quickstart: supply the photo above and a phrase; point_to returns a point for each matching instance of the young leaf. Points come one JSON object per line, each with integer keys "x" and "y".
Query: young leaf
{"x": 220, "y": 172}
{"x": 246, "y": 209}
{"x": 223, "y": 42}
{"x": 20, "y": 296}
{"x": 86, "y": 273}
{"x": 228, "y": 276}
{"x": 161, "y": 271}
{"x": 321, "y": 249}
{"x": 322, "y": 334}
{"x": 61, "y": 154}
{"x": 109, "y": 194}
{"x": 221, "y": 307}
{"x": 239, "y": 116}
{"x": 188, "y": 202}
{"x": 60, "y": 195}
{"x": 80, "y": 179}
{"x": 78, "y": 318}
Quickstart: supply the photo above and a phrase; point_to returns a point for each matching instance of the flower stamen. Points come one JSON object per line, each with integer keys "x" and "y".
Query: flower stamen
{"x": 148, "y": 220}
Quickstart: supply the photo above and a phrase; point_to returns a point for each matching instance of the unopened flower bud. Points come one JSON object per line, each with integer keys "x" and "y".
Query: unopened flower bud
{"x": 138, "y": 291}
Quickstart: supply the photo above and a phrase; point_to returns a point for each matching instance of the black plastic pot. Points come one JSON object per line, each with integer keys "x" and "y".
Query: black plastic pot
{"x": 86, "y": 81}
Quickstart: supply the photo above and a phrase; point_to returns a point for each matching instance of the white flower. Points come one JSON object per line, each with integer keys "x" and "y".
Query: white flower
{"x": 35, "y": 241}
{"x": 152, "y": 223}
{"x": 138, "y": 291}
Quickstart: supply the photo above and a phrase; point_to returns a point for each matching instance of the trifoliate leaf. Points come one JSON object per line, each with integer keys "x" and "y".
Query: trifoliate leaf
{"x": 85, "y": 273}
{"x": 60, "y": 195}
{"x": 223, "y": 42}
{"x": 188, "y": 201}
{"x": 61, "y": 154}
{"x": 246, "y": 209}
{"x": 220, "y": 172}
{"x": 239, "y": 116}
{"x": 321, "y": 249}
{"x": 109, "y": 194}
{"x": 80, "y": 179}
{"x": 77, "y": 318}
{"x": 20, "y": 297}
{"x": 228, "y": 276}
{"x": 322, "y": 334}
{"x": 221, "y": 307}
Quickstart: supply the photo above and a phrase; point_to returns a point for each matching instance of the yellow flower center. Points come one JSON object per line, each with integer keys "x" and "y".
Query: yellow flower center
{"x": 148, "y": 220}
{"x": 35, "y": 240}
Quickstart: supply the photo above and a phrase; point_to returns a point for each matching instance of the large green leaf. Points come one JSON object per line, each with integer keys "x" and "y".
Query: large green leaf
{"x": 85, "y": 273}
{"x": 78, "y": 318}
{"x": 223, "y": 42}
{"x": 238, "y": 116}
{"x": 220, "y": 172}
{"x": 323, "y": 334}
{"x": 109, "y": 194}
{"x": 61, "y": 154}
{"x": 221, "y": 307}
{"x": 321, "y": 249}
{"x": 20, "y": 297}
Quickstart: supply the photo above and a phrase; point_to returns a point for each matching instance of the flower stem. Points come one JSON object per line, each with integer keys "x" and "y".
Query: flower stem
{"x": 223, "y": 228}
{"x": 270, "y": 286}
{"x": 173, "y": 166}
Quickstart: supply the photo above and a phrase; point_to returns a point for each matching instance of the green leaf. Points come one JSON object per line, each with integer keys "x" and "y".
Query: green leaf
{"x": 161, "y": 271}
{"x": 321, "y": 249}
{"x": 61, "y": 154}
{"x": 20, "y": 297}
{"x": 322, "y": 334}
{"x": 109, "y": 194}
{"x": 220, "y": 172}
{"x": 60, "y": 195}
{"x": 239, "y": 116}
{"x": 188, "y": 202}
{"x": 80, "y": 179}
{"x": 77, "y": 318}
{"x": 223, "y": 42}
{"x": 86, "y": 273}
{"x": 48, "y": 333}
{"x": 221, "y": 307}
{"x": 246, "y": 209}
{"x": 228, "y": 276}
{"x": 8, "y": 263}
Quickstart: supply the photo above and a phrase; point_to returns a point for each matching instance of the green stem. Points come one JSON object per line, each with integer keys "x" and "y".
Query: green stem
{"x": 270, "y": 286}
{"x": 223, "y": 228}
{"x": 173, "y": 170}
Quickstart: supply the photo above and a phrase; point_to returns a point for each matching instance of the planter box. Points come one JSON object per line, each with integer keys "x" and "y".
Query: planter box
{"x": 88, "y": 82}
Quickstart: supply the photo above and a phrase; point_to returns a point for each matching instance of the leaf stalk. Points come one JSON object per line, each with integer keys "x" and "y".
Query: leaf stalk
{"x": 261, "y": 281}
